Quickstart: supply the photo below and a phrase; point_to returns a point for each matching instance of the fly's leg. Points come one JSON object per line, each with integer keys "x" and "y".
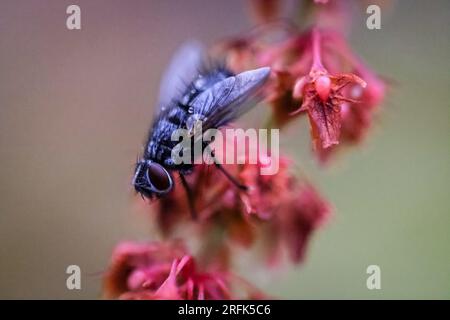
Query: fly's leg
{"x": 232, "y": 179}
{"x": 190, "y": 196}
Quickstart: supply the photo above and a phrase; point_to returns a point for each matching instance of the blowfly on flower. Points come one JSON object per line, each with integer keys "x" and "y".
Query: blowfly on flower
{"x": 190, "y": 92}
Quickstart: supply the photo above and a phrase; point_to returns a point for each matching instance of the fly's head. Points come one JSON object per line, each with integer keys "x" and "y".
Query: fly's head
{"x": 151, "y": 179}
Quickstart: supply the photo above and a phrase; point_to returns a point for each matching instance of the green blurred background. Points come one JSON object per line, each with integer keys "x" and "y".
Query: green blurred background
{"x": 75, "y": 106}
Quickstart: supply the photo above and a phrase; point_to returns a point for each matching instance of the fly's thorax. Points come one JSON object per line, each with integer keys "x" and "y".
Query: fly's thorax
{"x": 181, "y": 115}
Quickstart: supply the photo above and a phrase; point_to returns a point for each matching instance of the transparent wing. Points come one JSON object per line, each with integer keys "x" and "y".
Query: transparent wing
{"x": 229, "y": 98}
{"x": 183, "y": 68}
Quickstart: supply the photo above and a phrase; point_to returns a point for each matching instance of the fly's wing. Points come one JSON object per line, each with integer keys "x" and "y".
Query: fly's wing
{"x": 229, "y": 98}
{"x": 182, "y": 70}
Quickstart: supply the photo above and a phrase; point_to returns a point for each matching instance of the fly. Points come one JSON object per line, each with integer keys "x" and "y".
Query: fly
{"x": 215, "y": 96}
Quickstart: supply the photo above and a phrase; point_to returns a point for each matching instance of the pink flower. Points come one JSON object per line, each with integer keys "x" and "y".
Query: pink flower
{"x": 156, "y": 271}
{"x": 357, "y": 112}
{"x": 314, "y": 73}
{"x": 138, "y": 266}
{"x": 268, "y": 209}
{"x": 322, "y": 98}
{"x": 296, "y": 222}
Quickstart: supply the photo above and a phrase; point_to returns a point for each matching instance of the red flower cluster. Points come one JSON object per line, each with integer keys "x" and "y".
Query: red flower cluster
{"x": 314, "y": 72}
{"x": 156, "y": 271}
{"x": 278, "y": 209}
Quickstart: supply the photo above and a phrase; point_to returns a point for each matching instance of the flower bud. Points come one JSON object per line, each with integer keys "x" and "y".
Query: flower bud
{"x": 323, "y": 86}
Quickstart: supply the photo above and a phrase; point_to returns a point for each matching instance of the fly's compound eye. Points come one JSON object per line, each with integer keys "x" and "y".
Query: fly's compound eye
{"x": 159, "y": 178}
